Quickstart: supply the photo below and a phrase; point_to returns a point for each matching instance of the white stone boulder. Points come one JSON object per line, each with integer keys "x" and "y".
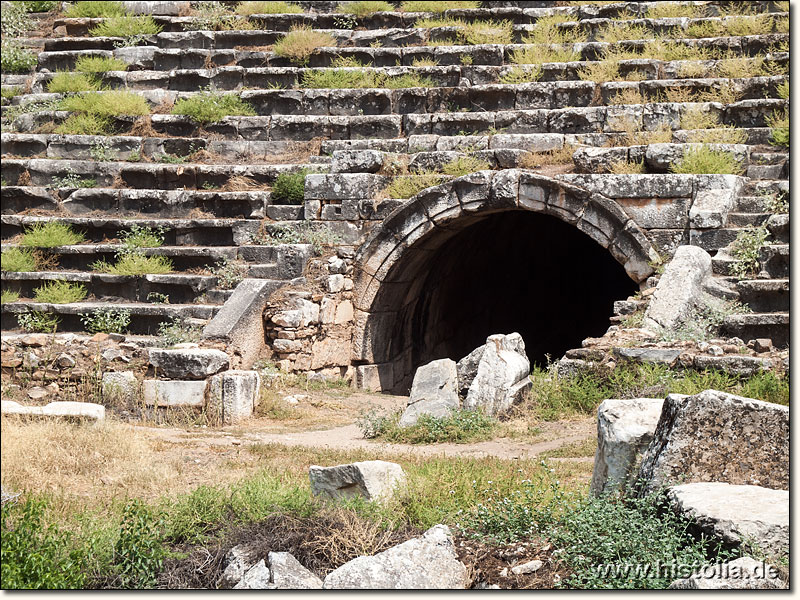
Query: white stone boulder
{"x": 433, "y": 392}
{"x": 716, "y": 436}
{"x": 63, "y": 410}
{"x": 238, "y": 561}
{"x": 501, "y": 378}
{"x": 624, "y": 430}
{"x": 257, "y": 577}
{"x": 289, "y": 574}
{"x": 736, "y": 514}
{"x": 372, "y": 479}
{"x": 680, "y": 289}
{"x": 193, "y": 363}
{"x": 744, "y": 573}
{"x": 233, "y": 395}
{"x": 426, "y": 562}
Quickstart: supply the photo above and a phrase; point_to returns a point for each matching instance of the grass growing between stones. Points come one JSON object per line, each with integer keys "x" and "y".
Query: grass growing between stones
{"x": 301, "y": 42}
{"x": 18, "y": 260}
{"x": 246, "y": 9}
{"x": 86, "y": 124}
{"x": 63, "y": 83}
{"x": 60, "y": 292}
{"x": 436, "y": 7}
{"x": 472, "y": 33}
{"x": 135, "y": 263}
{"x": 364, "y": 8}
{"x": 127, "y": 26}
{"x": 99, "y": 64}
{"x": 705, "y": 160}
{"x": 50, "y": 235}
{"x": 779, "y": 123}
{"x": 79, "y": 10}
{"x": 407, "y": 186}
{"x": 210, "y": 107}
{"x": 38, "y": 322}
{"x": 553, "y": 397}
{"x": 289, "y": 188}
{"x": 357, "y": 78}
{"x": 107, "y": 104}
{"x": 461, "y": 426}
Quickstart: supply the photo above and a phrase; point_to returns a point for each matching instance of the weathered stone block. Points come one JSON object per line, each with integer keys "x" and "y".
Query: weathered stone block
{"x": 433, "y": 392}
{"x": 165, "y": 394}
{"x": 373, "y": 480}
{"x": 233, "y": 395}
{"x": 196, "y": 363}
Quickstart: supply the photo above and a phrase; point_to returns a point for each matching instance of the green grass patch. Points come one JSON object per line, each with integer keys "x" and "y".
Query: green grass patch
{"x": 210, "y": 107}
{"x": 50, "y": 235}
{"x": 65, "y": 83}
{"x": 779, "y": 123}
{"x": 86, "y": 124}
{"x": 94, "y": 10}
{"x": 364, "y": 8}
{"x": 38, "y": 322}
{"x": 289, "y": 188}
{"x": 8, "y": 93}
{"x": 464, "y": 165}
{"x": 93, "y": 65}
{"x": 129, "y": 27}
{"x": 40, "y": 6}
{"x": 8, "y": 296}
{"x": 460, "y": 426}
{"x": 436, "y": 7}
{"x": 107, "y": 104}
{"x": 135, "y": 263}
{"x": 705, "y": 160}
{"x": 519, "y": 75}
{"x": 358, "y": 78}
{"x": 301, "y": 42}
{"x": 266, "y": 8}
{"x": 141, "y": 236}
{"x": 746, "y": 249}
{"x": 107, "y": 320}
{"x": 60, "y": 292}
{"x": 407, "y": 186}
{"x": 473, "y": 33}
{"x": 18, "y": 260}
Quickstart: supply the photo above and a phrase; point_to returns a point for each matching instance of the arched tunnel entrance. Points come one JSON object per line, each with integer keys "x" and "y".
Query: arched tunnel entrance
{"x": 515, "y": 271}
{"x": 491, "y": 252}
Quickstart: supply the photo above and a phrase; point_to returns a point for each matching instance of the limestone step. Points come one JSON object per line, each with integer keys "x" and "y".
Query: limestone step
{"x": 773, "y": 261}
{"x": 765, "y": 295}
{"x": 144, "y": 318}
{"x": 746, "y": 219}
{"x": 750, "y": 326}
{"x": 180, "y": 288}
{"x": 778, "y": 227}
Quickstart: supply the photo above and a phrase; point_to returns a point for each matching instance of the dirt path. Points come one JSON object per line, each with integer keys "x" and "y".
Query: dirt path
{"x": 349, "y": 437}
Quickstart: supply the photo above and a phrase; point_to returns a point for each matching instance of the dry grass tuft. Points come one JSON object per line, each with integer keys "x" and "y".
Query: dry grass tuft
{"x": 241, "y": 183}
{"x": 535, "y": 160}
{"x": 24, "y": 178}
{"x": 143, "y": 127}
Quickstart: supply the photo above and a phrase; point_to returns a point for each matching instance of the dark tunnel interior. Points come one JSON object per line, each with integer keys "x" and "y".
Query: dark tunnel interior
{"x": 517, "y": 271}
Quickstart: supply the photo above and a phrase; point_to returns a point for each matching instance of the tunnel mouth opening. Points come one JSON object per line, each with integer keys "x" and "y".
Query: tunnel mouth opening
{"x": 508, "y": 271}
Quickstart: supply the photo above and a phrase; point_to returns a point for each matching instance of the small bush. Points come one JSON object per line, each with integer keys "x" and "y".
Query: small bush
{"x": 50, "y": 235}
{"x": 301, "y": 42}
{"x": 139, "y": 552}
{"x": 40, "y": 6}
{"x": 600, "y": 72}
{"x": 783, "y": 90}
{"x": 135, "y": 263}
{"x": 128, "y": 27}
{"x": 177, "y": 330}
{"x": 665, "y": 10}
{"x": 619, "y": 31}
{"x": 38, "y": 322}
{"x": 94, "y": 10}
{"x": 364, "y": 8}
{"x": 107, "y": 320}
{"x": 18, "y": 260}
{"x": 14, "y": 20}
{"x": 487, "y": 32}
{"x": 519, "y": 75}
{"x": 704, "y": 160}
{"x": 86, "y": 124}
{"x": 627, "y": 167}
{"x": 99, "y": 64}
{"x": 746, "y": 249}
{"x": 436, "y": 7}
{"x": 8, "y": 296}
{"x": 779, "y": 123}
{"x": 464, "y": 165}
{"x": 407, "y": 186}
{"x": 72, "y": 180}
{"x": 548, "y": 31}
{"x": 698, "y": 118}
{"x": 229, "y": 273}
{"x": 246, "y": 9}
{"x": 210, "y": 107}
{"x": 15, "y": 59}
{"x": 141, "y": 236}
{"x": 36, "y": 555}
{"x": 319, "y": 236}
{"x": 60, "y": 292}
{"x": 107, "y": 104}
{"x": 537, "y": 55}
{"x": 289, "y": 188}
{"x": 460, "y": 426}
{"x": 64, "y": 83}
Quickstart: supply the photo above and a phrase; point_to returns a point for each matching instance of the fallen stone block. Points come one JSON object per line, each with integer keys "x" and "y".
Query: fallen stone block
{"x": 433, "y": 392}
{"x": 426, "y": 562}
{"x": 744, "y": 573}
{"x": 64, "y": 410}
{"x": 624, "y": 430}
{"x": 745, "y": 366}
{"x": 736, "y": 514}
{"x": 238, "y": 561}
{"x": 188, "y": 364}
{"x": 289, "y": 574}
{"x": 373, "y": 480}
{"x": 502, "y": 367}
{"x": 716, "y": 436}
{"x": 256, "y": 578}
{"x": 166, "y": 394}
{"x": 233, "y": 395}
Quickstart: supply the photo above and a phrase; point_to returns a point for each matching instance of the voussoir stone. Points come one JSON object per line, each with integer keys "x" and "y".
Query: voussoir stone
{"x": 188, "y": 364}
{"x": 426, "y": 562}
{"x": 736, "y": 514}
{"x": 716, "y": 436}
{"x": 372, "y": 479}
{"x": 624, "y": 430}
{"x": 433, "y": 391}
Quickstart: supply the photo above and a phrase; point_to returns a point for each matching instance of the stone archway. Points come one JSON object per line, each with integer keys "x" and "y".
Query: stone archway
{"x": 412, "y": 268}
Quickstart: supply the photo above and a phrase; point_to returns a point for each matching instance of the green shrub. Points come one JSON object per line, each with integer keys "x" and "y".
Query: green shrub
{"x": 408, "y": 80}
{"x": 14, "y": 20}
{"x": 15, "y": 59}
{"x": 63, "y": 83}
{"x": 60, "y": 292}
{"x": 704, "y": 160}
{"x": 407, "y": 186}
{"x": 38, "y": 322}
{"x": 229, "y": 273}
{"x": 132, "y": 29}
{"x": 107, "y": 104}
{"x": 8, "y": 296}
{"x": 8, "y": 93}
{"x": 301, "y": 42}
{"x": 99, "y": 64}
{"x": 177, "y": 330}
{"x": 40, "y": 6}
{"x": 141, "y": 236}
{"x": 107, "y": 320}
{"x": 86, "y": 124}
{"x": 18, "y": 260}
{"x": 436, "y": 7}
{"x": 35, "y": 555}
{"x": 289, "y": 188}
{"x": 139, "y": 552}
{"x": 319, "y": 235}
{"x": 746, "y": 249}
{"x": 519, "y": 75}
{"x": 95, "y": 10}
{"x": 135, "y": 263}
{"x": 267, "y": 8}
{"x": 460, "y": 426}
{"x": 364, "y": 8}
{"x": 210, "y": 107}
{"x": 50, "y": 235}
{"x": 72, "y": 180}
{"x": 464, "y": 165}
{"x": 779, "y": 123}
